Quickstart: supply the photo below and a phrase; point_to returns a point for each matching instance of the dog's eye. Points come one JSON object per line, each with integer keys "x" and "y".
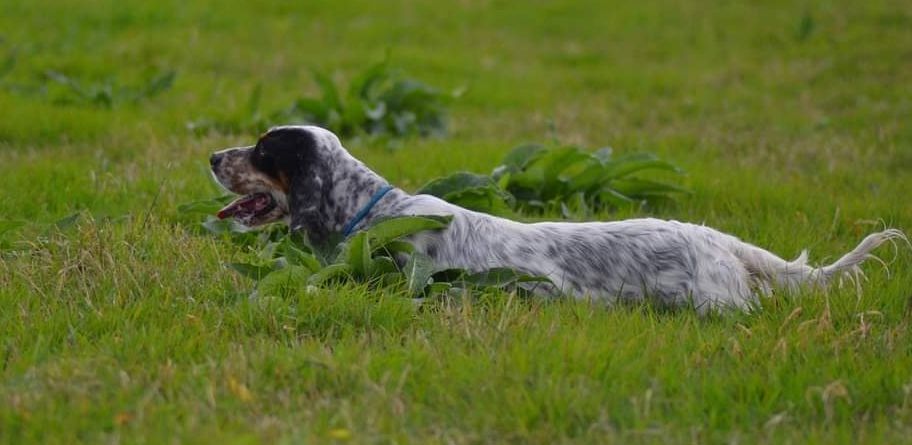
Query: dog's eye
{"x": 261, "y": 160}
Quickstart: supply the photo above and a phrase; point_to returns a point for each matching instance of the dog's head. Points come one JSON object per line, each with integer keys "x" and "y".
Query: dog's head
{"x": 288, "y": 168}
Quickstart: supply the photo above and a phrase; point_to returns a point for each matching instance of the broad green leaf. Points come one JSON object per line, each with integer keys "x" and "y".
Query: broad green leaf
{"x": 501, "y": 277}
{"x": 502, "y": 178}
{"x": 488, "y": 200}
{"x": 418, "y": 271}
{"x": 589, "y": 178}
{"x": 455, "y": 182}
{"x": 529, "y": 181}
{"x": 390, "y": 229}
{"x": 633, "y": 163}
{"x": 518, "y": 158}
{"x": 299, "y": 257}
{"x": 284, "y": 281}
{"x": 472, "y": 191}
{"x": 634, "y": 187}
{"x": 332, "y": 250}
{"x": 449, "y": 275}
{"x": 358, "y": 254}
{"x": 556, "y": 161}
{"x": 396, "y": 246}
{"x": 338, "y": 271}
{"x": 382, "y": 265}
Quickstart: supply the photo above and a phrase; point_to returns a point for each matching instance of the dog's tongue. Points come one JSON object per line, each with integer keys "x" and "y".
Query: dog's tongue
{"x": 245, "y": 205}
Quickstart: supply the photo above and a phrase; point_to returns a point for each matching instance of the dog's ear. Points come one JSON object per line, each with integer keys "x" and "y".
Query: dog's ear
{"x": 307, "y": 194}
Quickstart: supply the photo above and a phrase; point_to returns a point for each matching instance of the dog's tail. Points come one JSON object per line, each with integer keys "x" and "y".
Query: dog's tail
{"x": 770, "y": 270}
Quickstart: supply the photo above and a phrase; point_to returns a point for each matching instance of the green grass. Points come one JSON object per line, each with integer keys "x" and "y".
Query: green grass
{"x": 792, "y": 121}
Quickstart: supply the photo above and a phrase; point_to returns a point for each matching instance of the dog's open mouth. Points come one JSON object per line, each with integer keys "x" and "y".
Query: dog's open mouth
{"x": 249, "y": 207}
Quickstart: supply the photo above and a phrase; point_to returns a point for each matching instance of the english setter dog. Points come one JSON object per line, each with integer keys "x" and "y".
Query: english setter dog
{"x": 304, "y": 176}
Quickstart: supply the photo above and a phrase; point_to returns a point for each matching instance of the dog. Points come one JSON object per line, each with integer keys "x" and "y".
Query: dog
{"x": 302, "y": 175}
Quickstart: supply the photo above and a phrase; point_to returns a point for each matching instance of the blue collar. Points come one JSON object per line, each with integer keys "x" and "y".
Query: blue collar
{"x": 365, "y": 210}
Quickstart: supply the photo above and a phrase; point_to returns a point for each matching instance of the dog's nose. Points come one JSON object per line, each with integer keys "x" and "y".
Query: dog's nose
{"x": 215, "y": 160}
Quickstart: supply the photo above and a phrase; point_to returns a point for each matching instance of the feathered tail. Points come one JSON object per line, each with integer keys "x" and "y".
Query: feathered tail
{"x": 771, "y": 271}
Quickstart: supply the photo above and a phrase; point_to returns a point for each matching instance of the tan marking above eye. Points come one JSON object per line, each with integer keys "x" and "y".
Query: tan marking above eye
{"x": 284, "y": 185}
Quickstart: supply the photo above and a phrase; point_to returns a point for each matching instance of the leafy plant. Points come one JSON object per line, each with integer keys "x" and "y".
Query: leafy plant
{"x": 472, "y": 191}
{"x": 381, "y": 102}
{"x": 535, "y": 178}
{"x": 249, "y": 119}
{"x": 107, "y": 93}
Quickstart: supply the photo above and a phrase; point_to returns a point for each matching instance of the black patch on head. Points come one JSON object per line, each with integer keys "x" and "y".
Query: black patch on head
{"x": 292, "y": 156}
{"x": 284, "y": 151}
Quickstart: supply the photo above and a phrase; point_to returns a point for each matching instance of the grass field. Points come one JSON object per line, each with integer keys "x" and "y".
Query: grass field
{"x": 123, "y": 325}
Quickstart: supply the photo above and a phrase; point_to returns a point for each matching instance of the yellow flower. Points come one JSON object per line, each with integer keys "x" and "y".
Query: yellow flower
{"x": 239, "y": 389}
{"x": 340, "y": 434}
